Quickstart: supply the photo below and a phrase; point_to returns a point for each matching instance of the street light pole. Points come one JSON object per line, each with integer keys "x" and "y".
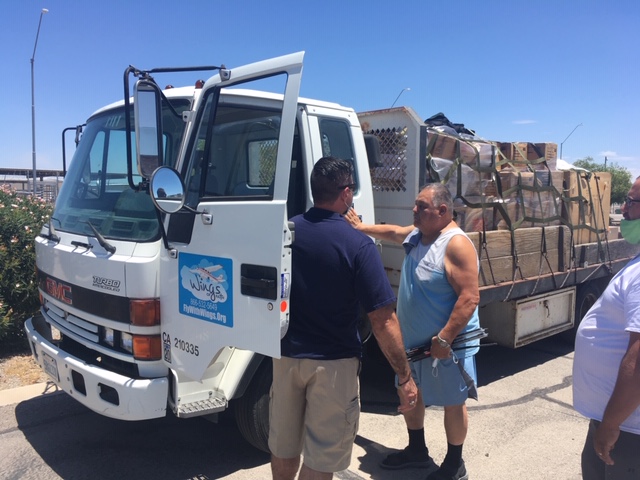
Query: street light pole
{"x": 33, "y": 105}
{"x": 401, "y": 92}
{"x": 562, "y": 143}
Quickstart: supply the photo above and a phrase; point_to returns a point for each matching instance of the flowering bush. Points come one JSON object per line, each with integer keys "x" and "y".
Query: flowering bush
{"x": 20, "y": 221}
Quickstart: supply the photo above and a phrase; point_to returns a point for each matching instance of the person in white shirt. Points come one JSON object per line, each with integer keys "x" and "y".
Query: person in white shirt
{"x": 606, "y": 367}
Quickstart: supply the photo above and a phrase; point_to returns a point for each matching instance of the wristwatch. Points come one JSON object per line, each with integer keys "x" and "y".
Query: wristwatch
{"x": 442, "y": 342}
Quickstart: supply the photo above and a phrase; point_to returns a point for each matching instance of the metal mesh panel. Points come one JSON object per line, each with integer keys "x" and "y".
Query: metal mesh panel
{"x": 266, "y": 171}
{"x": 392, "y": 175}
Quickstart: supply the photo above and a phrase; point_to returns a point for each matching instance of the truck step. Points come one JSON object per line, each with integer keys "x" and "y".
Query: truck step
{"x": 202, "y": 407}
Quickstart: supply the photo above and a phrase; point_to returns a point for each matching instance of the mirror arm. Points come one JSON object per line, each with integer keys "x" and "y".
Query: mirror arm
{"x": 192, "y": 210}
{"x": 127, "y": 120}
{"x": 163, "y": 231}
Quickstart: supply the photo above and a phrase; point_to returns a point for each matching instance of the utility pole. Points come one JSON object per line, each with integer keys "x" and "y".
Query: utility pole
{"x": 562, "y": 143}
{"x": 401, "y": 92}
{"x": 33, "y": 104}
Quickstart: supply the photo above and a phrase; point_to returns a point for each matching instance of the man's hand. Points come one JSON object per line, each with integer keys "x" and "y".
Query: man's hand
{"x": 604, "y": 440}
{"x": 408, "y": 393}
{"x": 352, "y": 218}
{"x": 438, "y": 351}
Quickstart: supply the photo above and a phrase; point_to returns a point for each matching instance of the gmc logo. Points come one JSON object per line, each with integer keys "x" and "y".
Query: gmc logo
{"x": 60, "y": 291}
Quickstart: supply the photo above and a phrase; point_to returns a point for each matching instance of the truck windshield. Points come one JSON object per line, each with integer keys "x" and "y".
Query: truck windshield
{"x": 96, "y": 192}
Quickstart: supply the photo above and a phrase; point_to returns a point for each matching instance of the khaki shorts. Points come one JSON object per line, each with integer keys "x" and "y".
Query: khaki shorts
{"x": 314, "y": 411}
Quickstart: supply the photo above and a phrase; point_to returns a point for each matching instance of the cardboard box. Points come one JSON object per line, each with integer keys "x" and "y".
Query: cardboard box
{"x": 587, "y": 204}
{"x": 536, "y": 195}
{"x": 443, "y": 146}
{"x": 510, "y": 178}
{"x": 478, "y": 154}
{"x": 476, "y": 219}
{"x": 474, "y": 154}
{"x": 472, "y": 182}
{"x": 548, "y": 151}
{"x": 526, "y": 155}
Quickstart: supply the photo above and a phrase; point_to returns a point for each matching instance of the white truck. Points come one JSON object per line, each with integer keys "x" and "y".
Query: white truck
{"x": 165, "y": 281}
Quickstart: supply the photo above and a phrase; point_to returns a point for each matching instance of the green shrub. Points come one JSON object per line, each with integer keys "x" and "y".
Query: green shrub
{"x": 20, "y": 221}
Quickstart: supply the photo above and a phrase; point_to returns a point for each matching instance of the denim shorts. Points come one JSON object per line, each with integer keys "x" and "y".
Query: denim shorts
{"x": 444, "y": 384}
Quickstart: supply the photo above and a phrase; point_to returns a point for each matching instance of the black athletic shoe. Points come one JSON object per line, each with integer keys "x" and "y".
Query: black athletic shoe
{"x": 408, "y": 459}
{"x": 444, "y": 473}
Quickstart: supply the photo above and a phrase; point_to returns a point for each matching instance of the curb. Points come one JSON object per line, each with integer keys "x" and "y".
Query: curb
{"x": 20, "y": 394}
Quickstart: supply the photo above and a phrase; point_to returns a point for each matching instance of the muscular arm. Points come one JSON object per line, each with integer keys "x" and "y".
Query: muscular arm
{"x": 389, "y": 233}
{"x": 461, "y": 268}
{"x": 386, "y": 329}
{"x": 624, "y": 400}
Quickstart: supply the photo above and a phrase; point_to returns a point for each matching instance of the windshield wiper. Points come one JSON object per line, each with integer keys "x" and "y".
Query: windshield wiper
{"x": 52, "y": 235}
{"x": 101, "y": 240}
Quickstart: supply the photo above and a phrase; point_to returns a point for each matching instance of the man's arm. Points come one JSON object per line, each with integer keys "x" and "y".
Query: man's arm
{"x": 389, "y": 233}
{"x": 624, "y": 400}
{"x": 461, "y": 268}
{"x": 386, "y": 329}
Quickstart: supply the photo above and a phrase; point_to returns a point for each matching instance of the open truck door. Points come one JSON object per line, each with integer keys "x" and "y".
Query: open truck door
{"x": 226, "y": 272}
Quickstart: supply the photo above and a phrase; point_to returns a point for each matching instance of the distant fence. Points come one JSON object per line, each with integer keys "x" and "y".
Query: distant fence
{"x": 47, "y": 182}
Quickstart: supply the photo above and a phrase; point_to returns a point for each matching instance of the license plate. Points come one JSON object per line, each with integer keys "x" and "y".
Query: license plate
{"x": 50, "y": 366}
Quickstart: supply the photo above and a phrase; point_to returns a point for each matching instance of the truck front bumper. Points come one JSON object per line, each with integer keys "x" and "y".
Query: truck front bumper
{"x": 100, "y": 390}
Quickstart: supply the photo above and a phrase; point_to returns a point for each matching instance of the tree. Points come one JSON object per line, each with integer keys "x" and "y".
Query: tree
{"x": 620, "y": 177}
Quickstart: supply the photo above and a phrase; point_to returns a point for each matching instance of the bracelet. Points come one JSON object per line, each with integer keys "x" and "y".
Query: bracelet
{"x": 405, "y": 382}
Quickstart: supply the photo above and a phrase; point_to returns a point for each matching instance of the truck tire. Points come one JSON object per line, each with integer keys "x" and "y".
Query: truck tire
{"x": 252, "y": 408}
{"x": 586, "y": 296}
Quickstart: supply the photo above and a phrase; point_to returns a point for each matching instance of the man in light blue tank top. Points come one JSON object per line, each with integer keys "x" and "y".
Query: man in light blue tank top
{"x": 437, "y": 301}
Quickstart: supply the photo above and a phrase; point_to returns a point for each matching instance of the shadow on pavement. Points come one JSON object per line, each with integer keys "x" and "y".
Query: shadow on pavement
{"x": 493, "y": 363}
{"x": 78, "y": 443}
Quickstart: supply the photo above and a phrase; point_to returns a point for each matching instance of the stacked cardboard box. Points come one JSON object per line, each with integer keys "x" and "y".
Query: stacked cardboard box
{"x": 476, "y": 154}
{"x": 587, "y": 204}
{"x": 520, "y": 155}
{"x": 534, "y": 195}
{"x": 479, "y": 215}
{"x": 505, "y": 185}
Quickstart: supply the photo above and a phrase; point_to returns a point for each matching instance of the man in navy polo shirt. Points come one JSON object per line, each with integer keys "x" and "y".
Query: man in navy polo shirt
{"x": 315, "y": 403}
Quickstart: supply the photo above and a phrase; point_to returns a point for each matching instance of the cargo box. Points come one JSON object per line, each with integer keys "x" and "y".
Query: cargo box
{"x": 587, "y": 204}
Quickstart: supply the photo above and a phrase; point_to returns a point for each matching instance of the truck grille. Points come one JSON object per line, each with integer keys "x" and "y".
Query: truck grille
{"x": 66, "y": 321}
{"x": 81, "y": 339}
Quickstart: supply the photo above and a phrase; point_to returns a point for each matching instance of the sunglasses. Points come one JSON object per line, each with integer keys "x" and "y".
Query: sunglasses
{"x": 352, "y": 187}
{"x": 628, "y": 201}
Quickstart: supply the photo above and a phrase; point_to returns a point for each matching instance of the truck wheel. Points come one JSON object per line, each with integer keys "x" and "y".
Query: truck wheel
{"x": 252, "y": 409}
{"x": 586, "y": 296}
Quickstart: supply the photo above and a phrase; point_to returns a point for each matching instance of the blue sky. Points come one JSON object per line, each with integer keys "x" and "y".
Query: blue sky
{"x": 510, "y": 70}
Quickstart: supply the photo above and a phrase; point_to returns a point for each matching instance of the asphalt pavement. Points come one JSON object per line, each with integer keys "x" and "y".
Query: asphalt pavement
{"x": 523, "y": 426}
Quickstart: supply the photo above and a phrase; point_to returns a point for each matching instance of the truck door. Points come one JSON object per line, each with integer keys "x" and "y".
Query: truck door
{"x": 226, "y": 281}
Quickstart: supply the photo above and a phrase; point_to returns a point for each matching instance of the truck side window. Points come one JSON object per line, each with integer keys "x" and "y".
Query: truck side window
{"x": 234, "y": 154}
{"x": 336, "y": 140}
{"x": 297, "y": 197}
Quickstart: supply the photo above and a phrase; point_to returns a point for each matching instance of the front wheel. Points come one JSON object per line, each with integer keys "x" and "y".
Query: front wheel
{"x": 252, "y": 409}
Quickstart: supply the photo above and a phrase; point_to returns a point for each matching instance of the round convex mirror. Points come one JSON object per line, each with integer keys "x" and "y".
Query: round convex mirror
{"x": 167, "y": 190}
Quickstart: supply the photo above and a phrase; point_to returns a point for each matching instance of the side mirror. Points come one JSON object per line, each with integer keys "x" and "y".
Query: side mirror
{"x": 148, "y": 127}
{"x": 372, "y": 144}
{"x": 167, "y": 190}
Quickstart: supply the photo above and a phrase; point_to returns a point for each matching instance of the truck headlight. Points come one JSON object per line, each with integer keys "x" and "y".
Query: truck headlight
{"x": 126, "y": 342}
{"x": 108, "y": 336}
